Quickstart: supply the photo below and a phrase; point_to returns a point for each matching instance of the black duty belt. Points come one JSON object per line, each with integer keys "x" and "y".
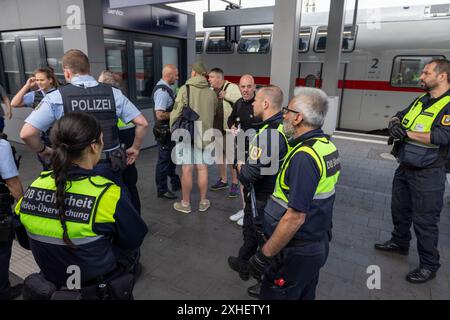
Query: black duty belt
{"x": 106, "y": 155}
{"x": 298, "y": 243}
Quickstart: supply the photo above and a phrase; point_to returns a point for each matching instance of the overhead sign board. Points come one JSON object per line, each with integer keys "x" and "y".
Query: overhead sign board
{"x": 146, "y": 18}
{"x": 114, "y": 4}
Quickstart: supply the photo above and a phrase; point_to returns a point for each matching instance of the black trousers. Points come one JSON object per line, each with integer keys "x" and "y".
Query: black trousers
{"x": 417, "y": 199}
{"x": 299, "y": 267}
{"x": 165, "y": 168}
{"x": 249, "y": 231}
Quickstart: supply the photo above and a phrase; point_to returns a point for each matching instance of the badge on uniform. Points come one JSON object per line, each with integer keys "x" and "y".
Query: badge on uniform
{"x": 446, "y": 120}
{"x": 255, "y": 153}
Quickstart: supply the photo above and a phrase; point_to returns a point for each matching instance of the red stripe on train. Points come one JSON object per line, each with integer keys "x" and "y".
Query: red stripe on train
{"x": 349, "y": 84}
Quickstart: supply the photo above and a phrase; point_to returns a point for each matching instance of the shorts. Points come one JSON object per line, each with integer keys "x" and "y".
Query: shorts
{"x": 186, "y": 154}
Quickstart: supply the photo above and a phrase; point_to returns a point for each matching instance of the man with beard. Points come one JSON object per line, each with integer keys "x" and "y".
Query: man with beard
{"x": 422, "y": 135}
{"x": 267, "y": 150}
{"x": 298, "y": 215}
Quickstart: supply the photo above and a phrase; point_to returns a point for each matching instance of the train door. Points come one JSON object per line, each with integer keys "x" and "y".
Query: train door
{"x": 310, "y": 75}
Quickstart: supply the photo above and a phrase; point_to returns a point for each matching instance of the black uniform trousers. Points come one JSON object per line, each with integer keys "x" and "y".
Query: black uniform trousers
{"x": 130, "y": 174}
{"x": 417, "y": 198}
{"x": 5, "y": 256}
{"x": 165, "y": 168}
{"x": 249, "y": 230}
{"x": 299, "y": 267}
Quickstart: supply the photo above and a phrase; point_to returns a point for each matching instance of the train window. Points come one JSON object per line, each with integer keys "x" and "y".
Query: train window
{"x": 348, "y": 40}
{"x": 143, "y": 57}
{"x": 11, "y": 65}
{"x": 304, "y": 39}
{"x": 55, "y": 51}
{"x": 116, "y": 59}
{"x": 406, "y": 70}
{"x": 199, "y": 40}
{"x": 31, "y": 55}
{"x": 257, "y": 41}
{"x": 217, "y": 44}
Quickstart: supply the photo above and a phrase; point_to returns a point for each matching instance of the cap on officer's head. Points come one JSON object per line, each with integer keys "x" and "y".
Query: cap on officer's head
{"x": 200, "y": 68}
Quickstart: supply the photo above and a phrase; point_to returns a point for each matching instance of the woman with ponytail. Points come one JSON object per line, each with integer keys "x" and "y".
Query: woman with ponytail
{"x": 74, "y": 217}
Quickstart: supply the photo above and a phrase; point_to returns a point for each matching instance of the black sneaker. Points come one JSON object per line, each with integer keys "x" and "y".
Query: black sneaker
{"x": 167, "y": 195}
{"x": 240, "y": 267}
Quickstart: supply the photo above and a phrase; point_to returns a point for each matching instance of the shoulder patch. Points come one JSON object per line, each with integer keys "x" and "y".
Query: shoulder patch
{"x": 446, "y": 120}
{"x": 255, "y": 153}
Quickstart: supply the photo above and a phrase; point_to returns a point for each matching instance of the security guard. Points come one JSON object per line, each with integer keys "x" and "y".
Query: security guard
{"x": 84, "y": 94}
{"x": 422, "y": 135}
{"x": 164, "y": 99}
{"x": 10, "y": 189}
{"x": 267, "y": 149}
{"x": 298, "y": 215}
{"x": 74, "y": 217}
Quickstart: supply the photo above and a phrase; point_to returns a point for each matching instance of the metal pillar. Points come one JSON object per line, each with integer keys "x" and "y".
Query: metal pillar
{"x": 286, "y": 27}
{"x": 82, "y": 28}
{"x": 332, "y": 61}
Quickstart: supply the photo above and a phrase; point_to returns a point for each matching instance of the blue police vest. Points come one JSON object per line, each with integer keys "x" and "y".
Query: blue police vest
{"x": 98, "y": 101}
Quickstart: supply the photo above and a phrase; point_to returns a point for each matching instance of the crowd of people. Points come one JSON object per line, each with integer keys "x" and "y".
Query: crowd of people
{"x": 84, "y": 208}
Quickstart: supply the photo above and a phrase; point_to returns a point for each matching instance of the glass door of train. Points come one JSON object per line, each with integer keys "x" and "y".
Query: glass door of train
{"x": 310, "y": 75}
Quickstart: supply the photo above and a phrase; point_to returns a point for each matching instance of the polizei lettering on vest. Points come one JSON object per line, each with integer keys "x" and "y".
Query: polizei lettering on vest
{"x": 91, "y": 105}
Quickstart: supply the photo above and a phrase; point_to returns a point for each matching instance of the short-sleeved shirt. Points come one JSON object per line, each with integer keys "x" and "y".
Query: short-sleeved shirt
{"x": 28, "y": 98}
{"x": 8, "y": 168}
{"x": 2, "y": 96}
{"x": 162, "y": 98}
{"x": 51, "y": 107}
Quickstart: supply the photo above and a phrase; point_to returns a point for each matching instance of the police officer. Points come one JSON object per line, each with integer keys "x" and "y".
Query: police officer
{"x": 422, "y": 134}
{"x": 7, "y": 102}
{"x": 10, "y": 189}
{"x": 45, "y": 81}
{"x": 164, "y": 99}
{"x": 84, "y": 94}
{"x": 297, "y": 217}
{"x": 259, "y": 173}
{"x": 75, "y": 217}
{"x": 126, "y": 138}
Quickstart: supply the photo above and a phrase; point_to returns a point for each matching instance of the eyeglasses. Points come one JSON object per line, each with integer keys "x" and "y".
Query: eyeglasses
{"x": 286, "y": 110}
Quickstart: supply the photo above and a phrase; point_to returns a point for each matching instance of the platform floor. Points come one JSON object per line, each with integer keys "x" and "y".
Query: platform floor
{"x": 185, "y": 256}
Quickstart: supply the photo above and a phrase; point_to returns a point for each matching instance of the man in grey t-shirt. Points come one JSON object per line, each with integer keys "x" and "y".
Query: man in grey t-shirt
{"x": 8, "y": 113}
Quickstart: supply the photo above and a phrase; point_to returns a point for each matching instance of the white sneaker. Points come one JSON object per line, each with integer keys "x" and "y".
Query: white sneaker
{"x": 240, "y": 222}
{"x": 238, "y": 215}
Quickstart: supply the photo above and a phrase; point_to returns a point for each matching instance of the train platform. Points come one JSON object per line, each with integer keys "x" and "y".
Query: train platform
{"x": 185, "y": 256}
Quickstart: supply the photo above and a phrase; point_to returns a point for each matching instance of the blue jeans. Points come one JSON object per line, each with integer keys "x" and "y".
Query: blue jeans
{"x": 165, "y": 168}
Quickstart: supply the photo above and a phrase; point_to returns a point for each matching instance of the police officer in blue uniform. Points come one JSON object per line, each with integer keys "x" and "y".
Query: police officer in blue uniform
{"x": 75, "y": 217}
{"x": 10, "y": 190}
{"x": 422, "y": 135}
{"x": 45, "y": 81}
{"x": 164, "y": 99}
{"x": 84, "y": 94}
{"x": 298, "y": 215}
{"x": 266, "y": 152}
